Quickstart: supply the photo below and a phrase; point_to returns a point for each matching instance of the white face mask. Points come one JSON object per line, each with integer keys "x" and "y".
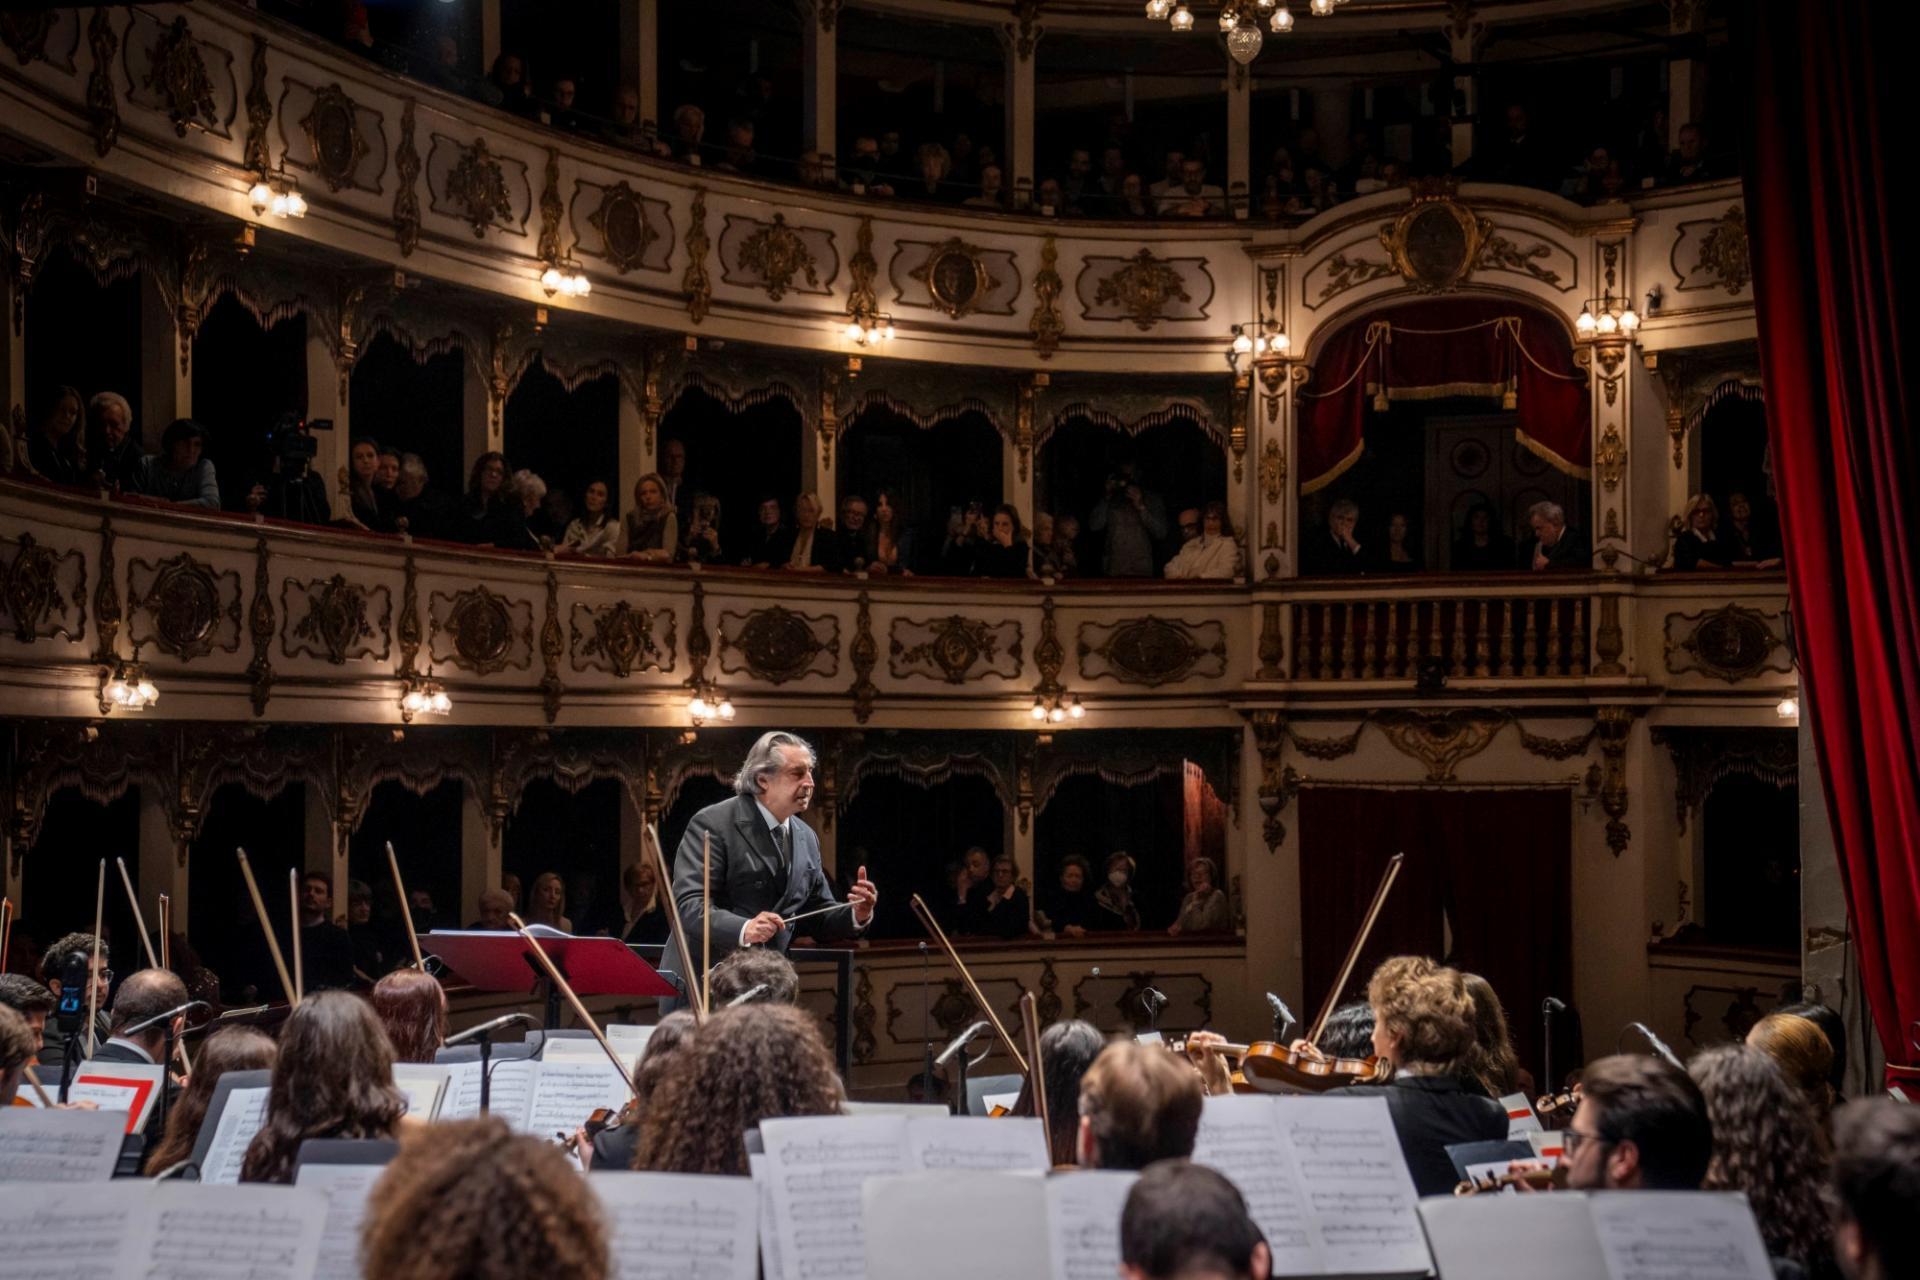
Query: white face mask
{"x": 1118, "y": 879}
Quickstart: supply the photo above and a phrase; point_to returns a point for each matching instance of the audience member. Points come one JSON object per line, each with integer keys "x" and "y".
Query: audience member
{"x": 56, "y": 448}
{"x": 423, "y": 512}
{"x": 1400, "y": 557}
{"x": 387, "y": 473}
{"x": 1133, "y": 519}
{"x": 1689, "y": 162}
{"x": 1697, "y": 546}
{"x": 479, "y": 1202}
{"x": 745, "y": 1065}
{"x": 1210, "y": 552}
{"x": 485, "y": 519}
{"x": 969, "y": 879}
{"x": 547, "y": 902}
{"x": 700, "y": 544}
{"x": 412, "y": 1007}
{"x": 1051, "y": 202}
{"x": 333, "y": 1079}
{"x": 596, "y": 530}
{"x": 229, "y": 1049}
{"x": 326, "y": 947}
{"x": 1173, "y": 173}
{"x": 813, "y": 547}
{"x": 1424, "y": 1028}
{"x": 1349, "y": 1031}
{"x": 525, "y": 524}
{"x": 1520, "y": 158}
{"x": 1337, "y": 552}
{"x": 1752, "y": 543}
{"x": 1134, "y": 202}
{"x": 639, "y": 912}
{"x": 1004, "y": 553}
{"x": 178, "y": 473}
{"x": 1481, "y": 546}
{"x": 967, "y": 529}
{"x": 493, "y": 907}
{"x": 689, "y": 132}
{"x": 1004, "y": 910}
{"x": 1138, "y": 1104}
{"x": 1185, "y": 1221}
{"x": 850, "y": 540}
{"x": 772, "y": 540}
{"x": 889, "y": 535}
{"x": 369, "y": 946}
{"x": 1765, "y": 1146}
{"x": 1876, "y": 1189}
{"x": 1194, "y": 196}
{"x": 1799, "y": 1048}
{"x": 991, "y": 195}
{"x": 1641, "y": 1125}
{"x": 1113, "y": 906}
{"x": 651, "y": 531}
{"x": 288, "y": 487}
{"x": 1068, "y": 909}
{"x": 759, "y": 972}
{"x": 1491, "y": 1063}
{"x": 112, "y": 448}
{"x": 368, "y": 505}
{"x": 510, "y": 87}
{"x": 1060, "y": 558}
{"x": 1555, "y": 544}
{"x": 1204, "y": 909}
{"x": 934, "y": 166}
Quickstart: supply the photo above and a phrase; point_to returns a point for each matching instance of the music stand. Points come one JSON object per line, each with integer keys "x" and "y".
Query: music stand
{"x": 593, "y": 966}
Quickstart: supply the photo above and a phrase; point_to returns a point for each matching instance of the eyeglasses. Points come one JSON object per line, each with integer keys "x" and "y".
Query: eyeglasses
{"x": 105, "y": 975}
{"x": 1574, "y": 1139}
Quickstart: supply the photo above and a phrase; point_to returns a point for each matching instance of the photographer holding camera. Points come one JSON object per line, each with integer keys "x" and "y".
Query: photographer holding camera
{"x": 290, "y": 489}
{"x": 1133, "y": 520}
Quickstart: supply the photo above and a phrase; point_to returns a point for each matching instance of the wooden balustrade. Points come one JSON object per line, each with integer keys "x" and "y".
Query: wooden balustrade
{"x": 1487, "y": 635}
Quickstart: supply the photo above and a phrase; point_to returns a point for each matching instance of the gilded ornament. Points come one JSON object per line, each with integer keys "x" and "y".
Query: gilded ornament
{"x": 478, "y": 185}
{"x": 181, "y": 609}
{"x": 696, "y": 283}
{"x": 484, "y": 636}
{"x": 621, "y": 636}
{"x": 552, "y": 210}
{"x": 1612, "y": 725}
{"x": 863, "y": 653}
{"x": 337, "y": 624}
{"x": 1273, "y": 470}
{"x": 1024, "y": 32}
{"x": 261, "y": 625}
{"x": 862, "y": 302}
{"x": 179, "y": 74}
{"x": 777, "y": 645}
{"x": 1439, "y": 740}
{"x": 1279, "y": 783}
{"x": 259, "y": 154}
{"x": 1049, "y": 656}
{"x": 26, "y": 33}
{"x": 334, "y": 139}
{"x": 1046, "y": 325}
{"x": 1724, "y": 254}
{"x": 106, "y": 597}
{"x": 1611, "y": 457}
{"x": 1152, "y": 651}
{"x": 553, "y": 646}
{"x": 1344, "y": 273}
{"x": 31, "y": 594}
{"x": 777, "y": 253}
{"x": 103, "y": 105}
{"x": 406, "y": 199}
{"x": 1326, "y": 748}
{"x": 956, "y": 277}
{"x": 1142, "y": 288}
{"x": 407, "y": 629}
{"x": 621, "y": 220}
{"x": 953, "y": 646}
{"x": 1732, "y": 643}
{"x": 1502, "y": 254}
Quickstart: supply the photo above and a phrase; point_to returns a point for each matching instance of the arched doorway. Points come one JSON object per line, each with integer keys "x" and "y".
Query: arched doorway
{"x": 936, "y": 470}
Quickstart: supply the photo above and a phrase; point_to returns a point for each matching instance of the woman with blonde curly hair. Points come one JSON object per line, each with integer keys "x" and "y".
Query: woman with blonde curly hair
{"x": 745, "y": 1065}
{"x": 1764, "y": 1144}
{"x": 477, "y": 1202}
{"x": 1424, "y": 1022}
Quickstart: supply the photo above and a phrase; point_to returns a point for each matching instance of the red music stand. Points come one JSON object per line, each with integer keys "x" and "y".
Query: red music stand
{"x": 501, "y": 962}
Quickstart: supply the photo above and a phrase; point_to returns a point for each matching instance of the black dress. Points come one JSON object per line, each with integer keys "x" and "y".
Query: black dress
{"x": 991, "y": 560}
{"x": 1063, "y": 909}
{"x": 1690, "y": 549}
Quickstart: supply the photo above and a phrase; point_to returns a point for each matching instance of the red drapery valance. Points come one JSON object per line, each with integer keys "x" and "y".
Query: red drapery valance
{"x": 1490, "y": 348}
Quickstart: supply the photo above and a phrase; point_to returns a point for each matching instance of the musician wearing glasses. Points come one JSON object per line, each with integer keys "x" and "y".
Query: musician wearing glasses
{"x": 765, "y": 869}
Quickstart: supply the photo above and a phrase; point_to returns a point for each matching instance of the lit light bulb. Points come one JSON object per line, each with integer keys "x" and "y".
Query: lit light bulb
{"x": 1282, "y": 21}
{"x": 440, "y": 704}
{"x": 296, "y": 205}
{"x": 699, "y": 708}
{"x": 887, "y": 333}
{"x": 1321, "y": 8}
{"x": 1227, "y": 19}
{"x": 1789, "y": 709}
{"x": 1629, "y": 320}
{"x": 1266, "y": 4}
{"x": 1159, "y": 9}
{"x": 1606, "y": 323}
{"x": 1039, "y": 711}
{"x": 1077, "y": 710}
{"x": 260, "y": 195}
{"x": 853, "y": 331}
{"x": 1242, "y": 343}
{"x": 1584, "y": 322}
{"x": 1056, "y": 715}
{"x": 726, "y": 708}
{"x": 1279, "y": 342}
{"x": 1182, "y": 19}
{"x": 550, "y": 280}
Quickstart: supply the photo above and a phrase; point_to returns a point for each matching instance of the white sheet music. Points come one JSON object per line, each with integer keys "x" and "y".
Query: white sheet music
{"x": 769, "y": 1239}
{"x": 425, "y": 1084}
{"x": 1083, "y": 1223}
{"x": 159, "y": 1231}
{"x": 1324, "y": 1178}
{"x": 512, "y": 1084}
{"x": 817, "y": 1165}
{"x": 245, "y": 1112}
{"x": 968, "y": 1142}
{"x": 58, "y": 1146}
{"x": 52, "y": 1231}
{"x": 680, "y": 1226}
{"x": 346, "y": 1187}
{"x": 566, "y": 1093}
{"x": 1667, "y": 1235}
{"x": 955, "y": 1224}
{"x": 1512, "y": 1237}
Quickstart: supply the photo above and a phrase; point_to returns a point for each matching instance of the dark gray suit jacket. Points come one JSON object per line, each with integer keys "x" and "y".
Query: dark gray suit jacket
{"x": 749, "y": 877}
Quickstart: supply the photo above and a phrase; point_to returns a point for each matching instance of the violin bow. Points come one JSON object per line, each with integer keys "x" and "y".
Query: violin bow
{"x": 1036, "y": 1079}
{"x": 675, "y": 928}
{"x": 6, "y": 930}
{"x": 293, "y": 902}
{"x": 939, "y": 935}
{"x": 146, "y": 943}
{"x": 266, "y": 927}
{"x": 706, "y": 920}
{"x": 579, "y": 1010}
{"x": 166, "y": 932}
{"x": 93, "y": 988}
{"x": 406, "y": 908}
{"x": 1359, "y": 944}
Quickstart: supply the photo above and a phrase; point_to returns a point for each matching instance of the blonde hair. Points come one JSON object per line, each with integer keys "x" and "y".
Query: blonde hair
{"x": 1141, "y": 1104}
{"x": 1801, "y": 1051}
{"x": 1427, "y": 1007}
{"x": 1700, "y": 502}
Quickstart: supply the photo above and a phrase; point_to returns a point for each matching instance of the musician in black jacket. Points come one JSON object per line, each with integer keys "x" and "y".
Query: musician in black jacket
{"x": 1424, "y": 1026}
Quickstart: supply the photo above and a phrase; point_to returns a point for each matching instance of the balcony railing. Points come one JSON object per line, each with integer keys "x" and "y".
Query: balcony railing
{"x": 1475, "y": 631}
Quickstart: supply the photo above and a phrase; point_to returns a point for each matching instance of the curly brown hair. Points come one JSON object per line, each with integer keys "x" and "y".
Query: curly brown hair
{"x": 1764, "y": 1144}
{"x": 413, "y": 1008}
{"x": 744, "y": 1066}
{"x": 1491, "y": 1061}
{"x": 234, "y": 1049}
{"x": 333, "y": 1079}
{"x": 474, "y": 1201}
{"x": 1427, "y": 1006}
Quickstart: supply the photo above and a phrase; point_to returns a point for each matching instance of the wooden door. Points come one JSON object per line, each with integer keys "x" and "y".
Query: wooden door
{"x": 1479, "y": 458}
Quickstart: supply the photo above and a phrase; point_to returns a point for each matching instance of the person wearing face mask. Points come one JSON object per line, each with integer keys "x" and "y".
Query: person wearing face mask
{"x": 1113, "y": 906}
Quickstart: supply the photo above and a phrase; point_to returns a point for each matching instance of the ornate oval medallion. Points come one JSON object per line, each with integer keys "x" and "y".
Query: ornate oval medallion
{"x": 185, "y": 606}
{"x": 777, "y": 644}
{"x": 482, "y": 630}
{"x": 1151, "y": 651}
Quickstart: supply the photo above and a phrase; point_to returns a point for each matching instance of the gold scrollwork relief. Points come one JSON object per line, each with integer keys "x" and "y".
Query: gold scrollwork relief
{"x": 178, "y": 74}
{"x": 954, "y": 649}
{"x": 956, "y": 277}
{"x": 26, "y": 34}
{"x": 184, "y": 607}
{"x": 1436, "y": 242}
{"x": 777, "y": 645}
{"x": 621, "y": 639}
{"x": 406, "y": 197}
{"x": 1273, "y": 470}
{"x": 621, "y": 220}
{"x": 259, "y": 109}
{"x": 334, "y": 138}
{"x": 774, "y": 254}
{"x": 1141, "y": 288}
{"x": 262, "y": 622}
{"x": 1279, "y": 783}
{"x": 336, "y": 619}
{"x": 43, "y": 592}
{"x": 1440, "y": 740}
{"x": 1612, "y": 725}
{"x": 1721, "y": 258}
{"x": 480, "y": 630}
{"x": 1046, "y": 325}
{"x": 103, "y": 104}
{"x": 553, "y": 646}
{"x": 1153, "y": 651}
{"x": 697, "y": 283}
{"x": 1344, "y": 273}
{"x": 477, "y": 187}
{"x": 1731, "y": 643}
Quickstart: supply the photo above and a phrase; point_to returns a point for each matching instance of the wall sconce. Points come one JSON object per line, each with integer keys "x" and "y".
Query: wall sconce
{"x": 1262, "y": 341}
{"x": 563, "y": 276}
{"x": 1607, "y": 317}
{"x": 276, "y": 194}
{"x": 128, "y": 688}
{"x": 1057, "y": 708}
{"x": 423, "y": 696}
{"x": 707, "y": 701}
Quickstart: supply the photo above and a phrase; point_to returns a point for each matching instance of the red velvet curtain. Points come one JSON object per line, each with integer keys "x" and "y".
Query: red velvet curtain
{"x": 1506, "y": 898}
{"x": 1831, "y": 257}
{"x": 1480, "y": 347}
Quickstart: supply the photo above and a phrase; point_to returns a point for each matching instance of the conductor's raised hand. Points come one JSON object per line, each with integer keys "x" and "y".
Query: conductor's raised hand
{"x": 862, "y": 895}
{"x": 762, "y": 928}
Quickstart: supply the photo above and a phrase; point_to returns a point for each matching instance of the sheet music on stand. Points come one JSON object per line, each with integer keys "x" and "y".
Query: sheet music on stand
{"x": 59, "y": 1146}
{"x": 347, "y": 1189}
{"x": 1611, "y": 1235}
{"x": 540, "y": 1098}
{"x": 928, "y": 1226}
{"x": 161, "y": 1231}
{"x": 680, "y": 1226}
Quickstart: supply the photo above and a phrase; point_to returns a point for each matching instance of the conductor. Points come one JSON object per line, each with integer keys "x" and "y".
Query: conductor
{"x": 766, "y": 866}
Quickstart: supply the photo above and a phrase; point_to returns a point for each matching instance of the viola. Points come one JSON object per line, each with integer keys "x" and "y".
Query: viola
{"x": 1266, "y": 1067}
{"x": 1533, "y": 1178}
{"x": 1563, "y": 1103}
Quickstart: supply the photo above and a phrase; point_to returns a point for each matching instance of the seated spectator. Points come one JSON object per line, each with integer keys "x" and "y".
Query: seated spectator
{"x": 967, "y": 529}
{"x": 1134, "y": 203}
{"x": 113, "y": 450}
{"x": 333, "y": 1079}
{"x": 1349, "y": 1032}
{"x": 970, "y": 879}
{"x": 1588, "y": 183}
{"x": 701, "y": 543}
{"x": 1005, "y": 553}
{"x": 1876, "y": 1189}
{"x": 369, "y": 506}
{"x": 815, "y": 171}
{"x": 1138, "y": 1104}
{"x": 673, "y": 478}
{"x": 1481, "y": 547}
{"x": 1173, "y": 174}
{"x": 751, "y": 967}
{"x": 424, "y": 512}
{"x": 639, "y": 912}
{"x": 746, "y": 1065}
{"x": 484, "y": 518}
{"x": 178, "y": 473}
{"x": 229, "y": 1049}
{"x": 991, "y": 195}
{"x": 1492, "y": 1063}
{"x": 862, "y": 174}
{"x": 1113, "y": 906}
{"x": 1697, "y": 546}
{"x": 596, "y": 530}
{"x": 368, "y": 943}
{"x": 1062, "y": 554}
{"x": 480, "y": 1202}
{"x": 1212, "y": 553}
{"x": 1336, "y": 552}
{"x": 1133, "y": 519}
{"x": 1424, "y": 1027}
{"x": 1800, "y": 1049}
{"x": 624, "y": 127}
{"x": 1005, "y": 909}
{"x": 493, "y": 906}
{"x": 1641, "y": 1126}
{"x": 547, "y": 902}
{"x": 966, "y": 161}
{"x": 1077, "y": 183}
{"x": 1765, "y": 1146}
{"x": 1194, "y": 196}
{"x": 651, "y": 531}
{"x": 412, "y": 1006}
{"x": 1050, "y": 201}
{"x": 56, "y": 448}
{"x": 689, "y": 128}
{"x": 290, "y": 488}
{"x": 889, "y": 536}
{"x": 1204, "y": 909}
{"x": 1184, "y": 1221}
{"x": 1067, "y": 909}
{"x": 1555, "y": 545}
{"x": 387, "y": 474}
{"x": 510, "y": 86}
{"x": 1689, "y": 162}
{"x": 813, "y": 548}
{"x": 1319, "y": 195}
{"x": 850, "y": 540}
{"x": 527, "y": 524}
{"x": 1399, "y": 556}
{"x": 556, "y": 513}
{"x": 772, "y": 541}
{"x": 738, "y": 156}
{"x": 560, "y": 103}
{"x": 1754, "y": 544}
{"x": 439, "y": 64}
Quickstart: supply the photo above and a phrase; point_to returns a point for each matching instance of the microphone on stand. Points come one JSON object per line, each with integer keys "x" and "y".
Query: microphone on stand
{"x": 1153, "y": 1000}
{"x": 1283, "y": 1018}
{"x": 488, "y": 1028}
{"x": 1548, "y": 1008}
{"x": 1659, "y": 1046}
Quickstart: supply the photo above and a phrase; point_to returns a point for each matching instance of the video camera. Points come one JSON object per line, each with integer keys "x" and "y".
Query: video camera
{"x": 74, "y": 980}
{"x": 290, "y": 442}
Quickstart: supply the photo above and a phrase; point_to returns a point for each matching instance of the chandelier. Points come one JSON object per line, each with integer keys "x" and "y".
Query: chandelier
{"x": 1607, "y": 317}
{"x": 423, "y": 696}
{"x": 707, "y": 701}
{"x": 1240, "y": 20}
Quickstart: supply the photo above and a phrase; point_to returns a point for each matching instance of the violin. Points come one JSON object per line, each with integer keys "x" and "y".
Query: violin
{"x": 1559, "y": 1106}
{"x": 1533, "y": 1178}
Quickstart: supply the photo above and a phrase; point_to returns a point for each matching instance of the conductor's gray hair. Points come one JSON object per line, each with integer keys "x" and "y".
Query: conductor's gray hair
{"x": 763, "y": 761}
{"x": 1552, "y": 512}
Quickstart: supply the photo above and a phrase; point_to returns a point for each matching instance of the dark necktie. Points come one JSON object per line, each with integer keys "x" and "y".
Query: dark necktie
{"x": 782, "y": 843}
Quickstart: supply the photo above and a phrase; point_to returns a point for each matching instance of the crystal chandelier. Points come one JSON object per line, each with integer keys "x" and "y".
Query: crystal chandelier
{"x": 1240, "y": 21}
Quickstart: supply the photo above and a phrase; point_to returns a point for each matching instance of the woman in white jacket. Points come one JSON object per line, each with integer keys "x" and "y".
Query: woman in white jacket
{"x": 1214, "y": 554}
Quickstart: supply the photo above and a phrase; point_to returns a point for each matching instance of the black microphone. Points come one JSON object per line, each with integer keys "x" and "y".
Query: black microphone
{"x": 748, "y": 996}
{"x": 488, "y": 1028}
{"x": 960, "y": 1042}
{"x": 168, "y": 1016}
{"x": 1548, "y": 1008}
{"x": 1283, "y": 1018}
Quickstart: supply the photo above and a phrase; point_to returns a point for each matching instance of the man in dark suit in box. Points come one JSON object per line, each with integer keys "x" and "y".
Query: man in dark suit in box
{"x": 766, "y": 864}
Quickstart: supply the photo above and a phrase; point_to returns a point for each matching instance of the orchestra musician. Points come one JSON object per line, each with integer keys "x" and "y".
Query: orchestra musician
{"x": 1138, "y": 1104}
{"x": 765, "y": 866}
{"x": 18, "y": 1045}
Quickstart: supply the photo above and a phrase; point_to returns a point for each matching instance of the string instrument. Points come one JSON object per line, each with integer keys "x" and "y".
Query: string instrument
{"x": 406, "y": 907}
{"x": 1536, "y": 1178}
{"x": 939, "y": 935}
{"x": 676, "y": 929}
{"x": 1268, "y": 1067}
{"x": 1564, "y": 1103}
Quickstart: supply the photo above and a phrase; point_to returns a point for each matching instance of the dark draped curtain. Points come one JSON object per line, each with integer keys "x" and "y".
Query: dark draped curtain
{"x": 1494, "y": 349}
{"x": 1831, "y": 256}
{"x": 1506, "y": 896}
